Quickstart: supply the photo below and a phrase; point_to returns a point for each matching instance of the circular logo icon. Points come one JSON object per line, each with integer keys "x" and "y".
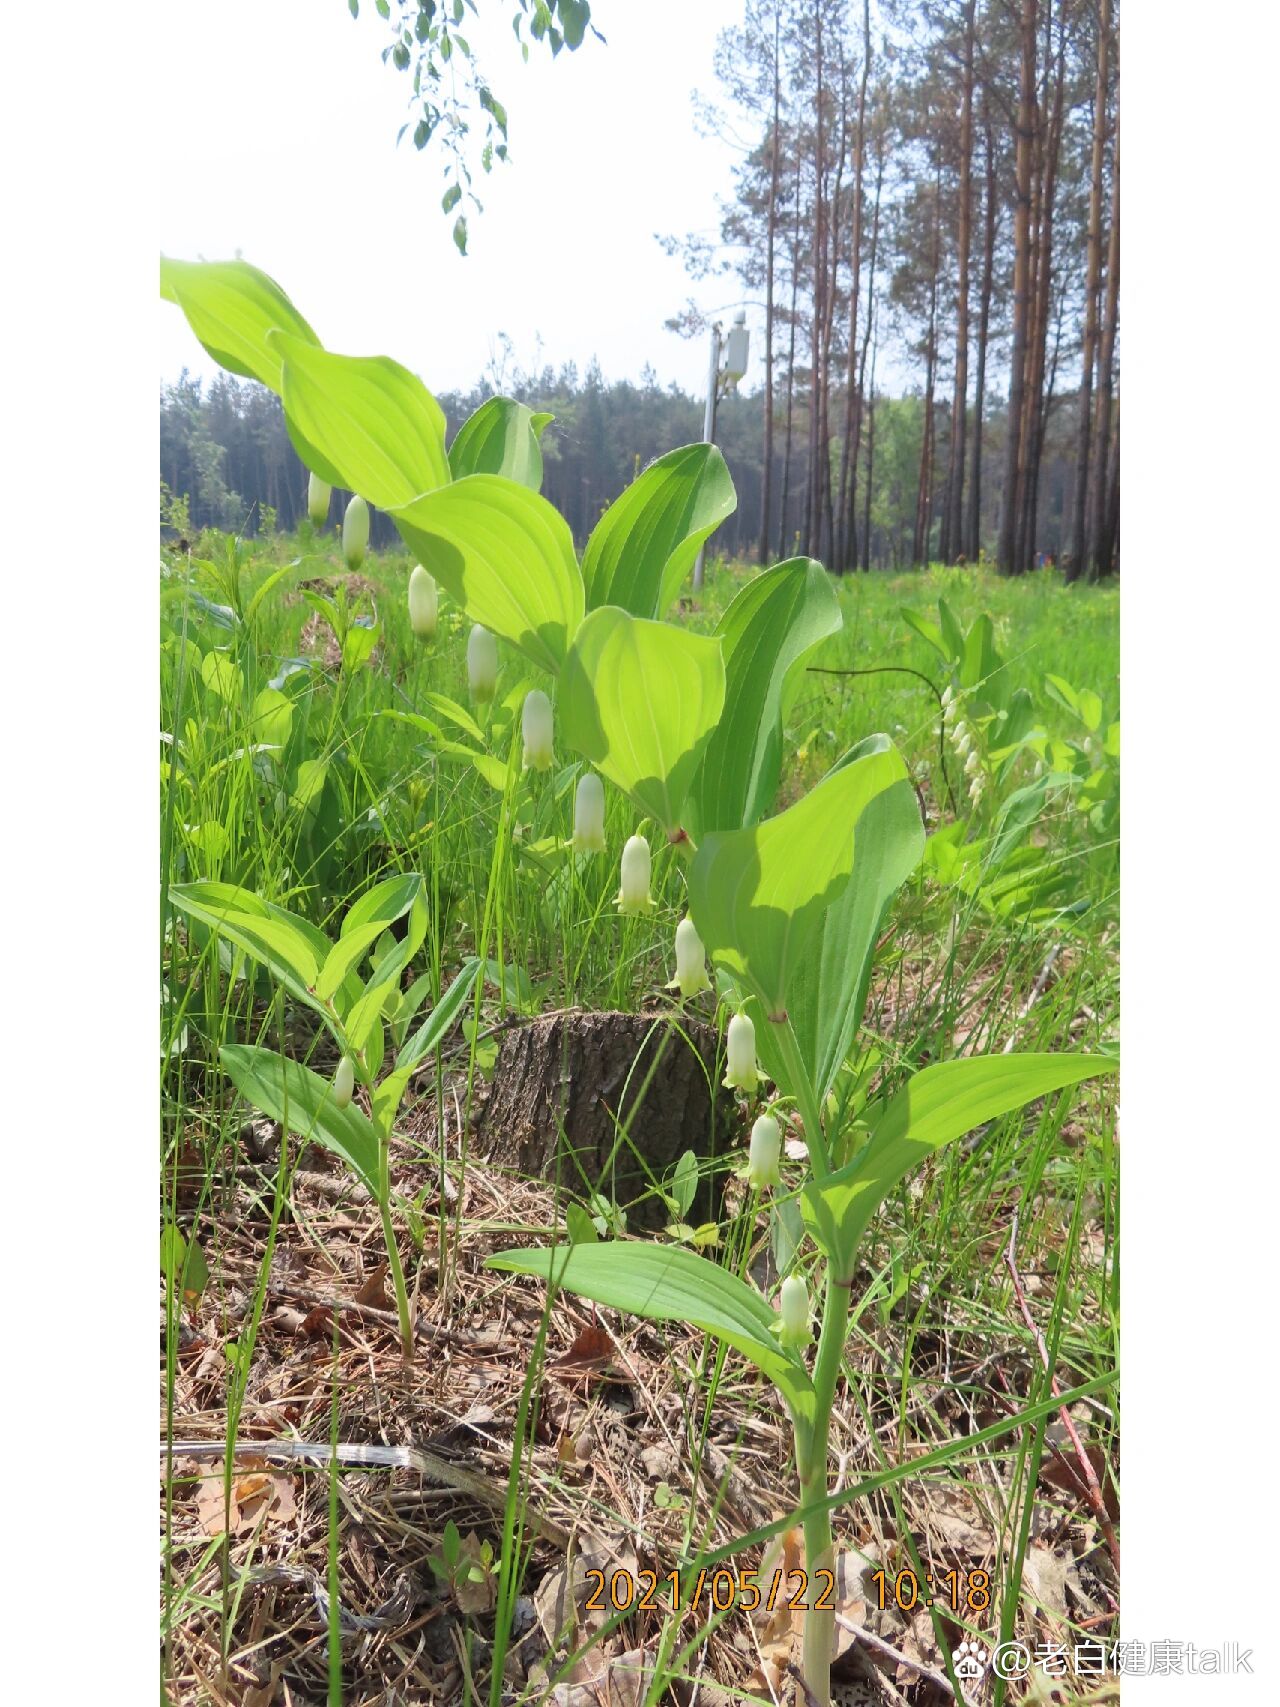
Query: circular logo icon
{"x": 1011, "y": 1659}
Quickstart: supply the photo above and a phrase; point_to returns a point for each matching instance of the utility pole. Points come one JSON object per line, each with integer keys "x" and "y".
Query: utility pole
{"x": 724, "y": 374}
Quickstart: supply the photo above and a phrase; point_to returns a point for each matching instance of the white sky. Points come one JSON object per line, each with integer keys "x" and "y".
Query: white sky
{"x": 279, "y": 126}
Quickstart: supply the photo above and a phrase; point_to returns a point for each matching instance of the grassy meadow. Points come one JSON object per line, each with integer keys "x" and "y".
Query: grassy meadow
{"x": 313, "y": 748}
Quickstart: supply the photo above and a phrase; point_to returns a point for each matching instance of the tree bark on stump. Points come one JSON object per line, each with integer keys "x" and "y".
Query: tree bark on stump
{"x": 629, "y": 1092}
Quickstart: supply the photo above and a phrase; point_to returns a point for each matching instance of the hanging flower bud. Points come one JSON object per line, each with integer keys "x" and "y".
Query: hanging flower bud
{"x": 794, "y": 1299}
{"x": 762, "y": 1156}
{"x": 741, "y": 1048}
{"x": 355, "y": 532}
{"x": 962, "y": 740}
{"x": 588, "y": 815}
{"x": 424, "y": 603}
{"x": 948, "y": 698}
{"x": 319, "y": 493}
{"x": 344, "y": 1082}
{"x": 482, "y": 663}
{"x": 537, "y": 724}
{"x": 975, "y": 791}
{"x": 633, "y": 897}
{"x": 691, "y": 961}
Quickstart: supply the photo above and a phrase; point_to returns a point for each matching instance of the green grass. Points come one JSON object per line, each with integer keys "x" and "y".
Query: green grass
{"x": 966, "y": 966}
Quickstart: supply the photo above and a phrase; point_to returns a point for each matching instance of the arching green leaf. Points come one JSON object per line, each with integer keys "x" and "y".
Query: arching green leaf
{"x": 644, "y": 544}
{"x": 667, "y": 1283}
{"x": 231, "y": 307}
{"x": 828, "y": 989}
{"x": 768, "y": 630}
{"x": 757, "y": 895}
{"x": 500, "y": 437}
{"x": 301, "y": 1100}
{"x": 363, "y": 422}
{"x": 506, "y": 556}
{"x": 639, "y": 700}
{"x": 936, "y": 1105}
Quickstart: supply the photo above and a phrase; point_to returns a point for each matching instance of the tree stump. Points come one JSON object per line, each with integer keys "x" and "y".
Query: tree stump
{"x": 629, "y": 1092}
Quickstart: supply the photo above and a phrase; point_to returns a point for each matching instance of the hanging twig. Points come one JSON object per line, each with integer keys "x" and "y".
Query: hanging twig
{"x": 906, "y": 670}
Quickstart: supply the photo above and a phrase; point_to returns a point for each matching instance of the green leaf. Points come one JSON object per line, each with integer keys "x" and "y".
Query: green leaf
{"x": 828, "y": 990}
{"x": 232, "y": 307}
{"x": 757, "y": 895}
{"x": 684, "y": 1183}
{"x": 644, "y": 544}
{"x": 506, "y": 556}
{"x": 384, "y": 903}
{"x": 772, "y": 625}
{"x": 927, "y": 631}
{"x": 221, "y": 675}
{"x": 460, "y": 232}
{"x": 938, "y": 1104}
{"x": 276, "y": 938}
{"x": 640, "y": 700}
{"x": 272, "y": 717}
{"x": 500, "y": 437}
{"x": 363, "y": 422}
{"x": 440, "y": 1021}
{"x": 301, "y": 1100}
{"x": 667, "y": 1283}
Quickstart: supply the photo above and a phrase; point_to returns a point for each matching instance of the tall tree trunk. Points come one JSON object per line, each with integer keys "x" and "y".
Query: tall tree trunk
{"x": 871, "y": 438}
{"x": 951, "y": 547}
{"x": 791, "y": 371}
{"x": 1105, "y": 505}
{"x": 1037, "y": 402}
{"x": 847, "y": 547}
{"x": 924, "y": 491}
{"x": 1010, "y": 497}
{"x": 973, "y": 529}
{"x": 813, "y": 505}
{"x": 766, "y": 491}
{"x": 1077, "y": 564}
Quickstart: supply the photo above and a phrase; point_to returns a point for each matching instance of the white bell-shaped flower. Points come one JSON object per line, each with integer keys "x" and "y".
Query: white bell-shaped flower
{"x": 424, "y": 603}
{"x": 588, "y": 815}
{"x": 763, "y": 1153}
{"x": 633, "y": 896}
{"x": 740, "y": 1046}
{"x": 691, "y": 961}
{"x": 319, "y": 493}
{"x": 355, "y": 532}
{"x": 482, "y": 663}
{"x": 344, "y": 1082}
{"x": 537, "y": 724}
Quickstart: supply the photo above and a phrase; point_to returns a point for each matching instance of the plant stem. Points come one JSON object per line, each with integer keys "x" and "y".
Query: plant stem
{"x": 393, "y": 1254}
{"x": 811, "y": 1462}
{"x": 805, "y": 1095}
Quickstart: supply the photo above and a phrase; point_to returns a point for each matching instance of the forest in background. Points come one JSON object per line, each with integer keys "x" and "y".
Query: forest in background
{"x": 928, "y": 188}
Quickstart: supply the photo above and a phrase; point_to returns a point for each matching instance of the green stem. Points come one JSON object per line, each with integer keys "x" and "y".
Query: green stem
{"x": 811, "y": 1462}
{"x": 393, "y": 1254}
{"x": 805, "y": 1095}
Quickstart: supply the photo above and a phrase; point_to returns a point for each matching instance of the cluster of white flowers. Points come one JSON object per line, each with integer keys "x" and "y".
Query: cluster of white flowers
{"x": 965, "y": 742}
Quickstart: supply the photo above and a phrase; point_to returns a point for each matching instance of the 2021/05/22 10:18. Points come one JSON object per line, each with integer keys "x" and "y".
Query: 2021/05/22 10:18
{"x": 623, "y": 1591}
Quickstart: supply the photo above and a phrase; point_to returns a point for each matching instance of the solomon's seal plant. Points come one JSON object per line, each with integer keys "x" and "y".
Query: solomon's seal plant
{"x": 537, "y": 726}
{"x": 788, "y": 905}
{"x": 633, "y": 896}
{"x": 691, "y": 961}
{"x": 764, "y": 1152}
{"x": 482, "y": 664}
{"x": 319, "y": 493}
{"x": 355, "y": 532}
{"x": 588, "y": 815}
{"x": 424, "y": 603}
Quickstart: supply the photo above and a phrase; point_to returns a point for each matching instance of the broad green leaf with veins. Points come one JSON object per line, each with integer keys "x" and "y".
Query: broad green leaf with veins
{"x": 771, "y": 626}
{"x": 501, "y": 437}
{"x": 667, "y": 1283}
{"x": 938, "y": 1104}
{"x": 757, "y": 895}
{"x": 640, "y": 700}
{"x": 232, "y": 307}
{"x": 363, "y": 422}
{"x": 644, "y": 544}
{"x": 506, "y": 555}
{"x": 301, "y": 1100}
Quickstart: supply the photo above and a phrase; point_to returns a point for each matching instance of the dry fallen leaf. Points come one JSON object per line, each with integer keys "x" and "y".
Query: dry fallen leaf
{"x": 257, "y": 1492}
{"x": 373, "y": 1290}
{"x": 592, "y": 1350}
